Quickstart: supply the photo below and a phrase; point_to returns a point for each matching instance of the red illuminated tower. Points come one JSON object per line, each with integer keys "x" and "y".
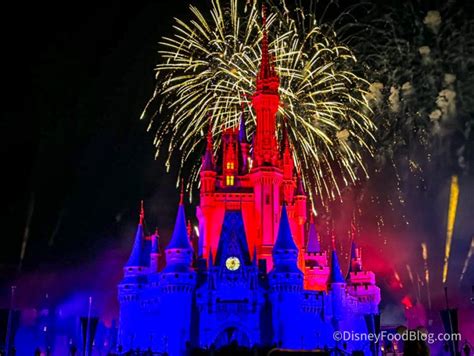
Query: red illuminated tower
{"x": 256, "y": 184}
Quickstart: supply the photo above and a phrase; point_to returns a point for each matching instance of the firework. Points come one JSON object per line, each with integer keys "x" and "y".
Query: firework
{"x": 209, "y": 66}
{"x": 467, "y": 260}
{"x": 424, "y": 249}
{"x": 453, "y": 203}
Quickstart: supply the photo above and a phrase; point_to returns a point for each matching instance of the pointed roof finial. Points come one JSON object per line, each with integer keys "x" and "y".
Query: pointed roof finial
{"x": 142, "y": 213}
{"x": 180, "y": 238}
{"x": 137, "y": 257}
{"x": 266, "y": 67}
{"x": 181, "y": 195}
{"x": 189, "y": 228}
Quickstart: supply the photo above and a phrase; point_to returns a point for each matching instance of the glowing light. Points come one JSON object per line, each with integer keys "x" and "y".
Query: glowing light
{"x": 196, "y": 230}
{"x": 397, "y": 277}
{"x": 410, "y": 274}
{"x": 424, "y": 252}
{"x": 209, "y": 65}
{"x": 453, "y": 203}
{"x": 467, "y": 260}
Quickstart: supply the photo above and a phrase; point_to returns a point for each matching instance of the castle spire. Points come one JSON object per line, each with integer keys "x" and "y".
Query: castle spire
{"x": 137, "y": 258}
{"x": 180, "y": 238}
{"x": 208, "y": 158}
{"x": 265, "y": 101}
{"x": 142, "y": 213}
{"x": 266, "y": 66}
{"x": 242, "y": 127}
{"x": 284, "y": 239}
{"x": 299, "y": 191}
{"x": 313, "y": 245}
{"x": 335, "y": 276}
{"x": 181, "y": 194}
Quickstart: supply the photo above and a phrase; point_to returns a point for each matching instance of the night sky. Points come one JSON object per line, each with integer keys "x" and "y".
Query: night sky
{"x": 76, "y": 78}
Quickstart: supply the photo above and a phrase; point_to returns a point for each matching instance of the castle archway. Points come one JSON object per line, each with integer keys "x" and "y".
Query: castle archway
{"x": 232, "y": 335}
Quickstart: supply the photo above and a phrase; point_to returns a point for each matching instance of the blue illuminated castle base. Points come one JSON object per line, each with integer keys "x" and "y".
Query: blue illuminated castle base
{"x": 231, "y": 299}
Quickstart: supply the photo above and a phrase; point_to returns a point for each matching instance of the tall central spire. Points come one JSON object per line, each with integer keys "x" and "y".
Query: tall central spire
{"x": 265, "y": 101}
{"x": 267, "y": 80}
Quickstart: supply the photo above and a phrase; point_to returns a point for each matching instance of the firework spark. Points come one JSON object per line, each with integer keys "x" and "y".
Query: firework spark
{"x": 424, "y": 249}
{"x": 467, "y": 260}
{"x": 209, "y": 68}
{"x": 453, "y": 203}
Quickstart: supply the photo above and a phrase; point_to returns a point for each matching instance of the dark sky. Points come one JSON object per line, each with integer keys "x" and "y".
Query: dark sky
{"x": 77, "y": 78}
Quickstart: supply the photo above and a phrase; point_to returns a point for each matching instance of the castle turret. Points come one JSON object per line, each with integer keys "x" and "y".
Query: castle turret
{"x": 361, "y": 283}
{"x": 129, "y": 288}
{"x": 316, "y": 263}
{"x": 208, "y": 167}
{"x": 137, "y": 262}
{"x": 205, "y": 210}
{"x": 288, "y": 168}
{"x": 230, "y": 157}
{"x": 177, "y": 284}
{"x": 286, "y": 285}
{"x": 337, "y": 287}
{"x": 300, "y": 211}
{"x": 244, "y": 145}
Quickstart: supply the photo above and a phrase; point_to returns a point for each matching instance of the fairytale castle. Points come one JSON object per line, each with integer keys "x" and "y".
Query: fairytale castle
{"x": 257, "y": 274}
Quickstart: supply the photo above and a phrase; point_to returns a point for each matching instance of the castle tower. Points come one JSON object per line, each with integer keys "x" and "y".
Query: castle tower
{"x": 316, "y": 263}
{"x": 299, "y": 219}
{"x": 129, "y": 289}
{"x": 177, "y": 284}
{"x": 205, "y": 210}
{"x": 230, "y": 157}
{"x": 288, "y": 168}
{"x": 266, "y": 175}
{"x": 286, "y": 285}
{"x": 337, "y": 288}
{"x": 361, "y": 283}
{"x": 244, "y": 145}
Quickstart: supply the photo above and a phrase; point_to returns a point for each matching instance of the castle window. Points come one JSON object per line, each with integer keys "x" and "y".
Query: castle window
{"x": 230, "y": 165}
{"x": 229, "y": 180}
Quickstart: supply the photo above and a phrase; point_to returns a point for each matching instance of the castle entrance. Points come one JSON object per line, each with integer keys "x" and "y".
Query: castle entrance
{"x": 232, "y": 335}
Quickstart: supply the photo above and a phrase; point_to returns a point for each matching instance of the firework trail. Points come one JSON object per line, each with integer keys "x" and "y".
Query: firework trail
{"x": 467, "y": 260}
{"x": 209, "y": 65}
{"x": 26, "y": 234}
{"x": 424, "y": 249}
{"x": 453, "y": 203}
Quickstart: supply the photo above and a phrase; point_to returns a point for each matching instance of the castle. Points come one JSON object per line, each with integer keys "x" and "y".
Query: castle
{"x": 257, "y": 275}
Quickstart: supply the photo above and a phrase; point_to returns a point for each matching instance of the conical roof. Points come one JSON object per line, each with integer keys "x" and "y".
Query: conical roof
{"x": 137, "y": 257}
{"x": 313, "y": 245}
{"x": 284, "y": 239}
{"x": 180, "y": 238}
{"x": 335, "y": 275}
